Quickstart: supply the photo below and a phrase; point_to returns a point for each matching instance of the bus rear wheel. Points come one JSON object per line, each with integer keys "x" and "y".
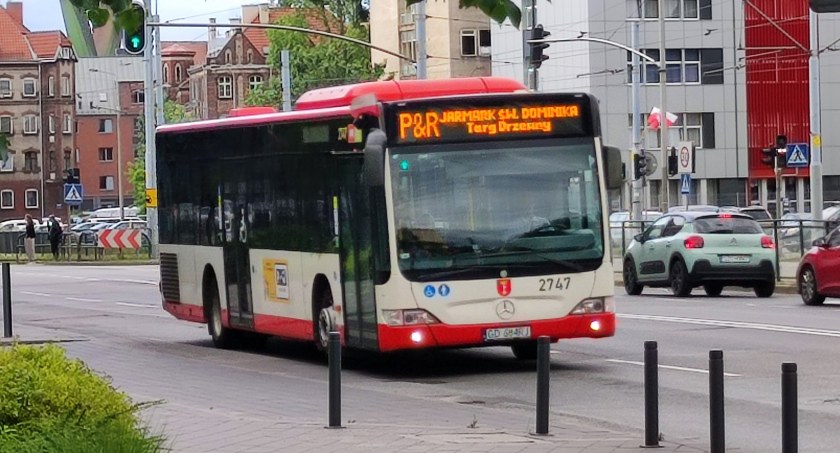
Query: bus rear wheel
{"x": 223, "y": 337}
{"x": 526, "y": 350}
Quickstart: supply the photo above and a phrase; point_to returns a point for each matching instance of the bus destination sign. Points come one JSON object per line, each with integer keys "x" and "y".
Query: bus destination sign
{"x": 443, "y": 123}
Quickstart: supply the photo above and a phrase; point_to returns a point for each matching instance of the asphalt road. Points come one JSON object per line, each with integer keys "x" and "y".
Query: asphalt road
{"x": 598, "y": 382}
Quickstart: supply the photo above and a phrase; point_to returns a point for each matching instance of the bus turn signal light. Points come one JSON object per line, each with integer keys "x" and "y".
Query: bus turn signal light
{"x": 408, "y": 317}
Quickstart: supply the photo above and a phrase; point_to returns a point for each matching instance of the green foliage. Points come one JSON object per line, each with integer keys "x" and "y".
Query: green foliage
{"x": 4, "y": 146}
{"x": 498, "y": 10}
{"x": 63, "y": 436}
{"x": 98, "y": 12}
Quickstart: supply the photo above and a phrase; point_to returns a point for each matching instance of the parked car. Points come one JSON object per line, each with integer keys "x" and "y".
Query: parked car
{"x": 816, "y": 275}
{"x": 757, "y": 212}
{"x": 15, "y": 225}
{"x": 691, "y": 249}
{"x": 617, "y": 220}
{"x": 128, "y": 225}
{"x": 694, "y": 208}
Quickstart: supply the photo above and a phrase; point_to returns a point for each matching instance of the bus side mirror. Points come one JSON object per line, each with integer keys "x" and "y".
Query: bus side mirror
{"x": 612, "y": 165}
{"x": 374, "y": 165}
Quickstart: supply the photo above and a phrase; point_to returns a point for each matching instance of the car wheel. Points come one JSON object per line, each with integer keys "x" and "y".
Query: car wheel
{"x": 808, "y": 288}
{"x": 679, "y": 279}
{"x": 526, "y": 350}
{"x": 765, "y": 289}
{"x": 713, "y": 289}
{"x": 631, "y": 280}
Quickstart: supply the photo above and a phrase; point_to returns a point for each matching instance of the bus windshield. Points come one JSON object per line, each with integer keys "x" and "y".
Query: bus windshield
{"x": 474, "y": 210}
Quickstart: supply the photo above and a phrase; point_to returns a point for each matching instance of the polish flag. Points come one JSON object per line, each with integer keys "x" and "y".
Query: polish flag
{"x": 654, "y": 118}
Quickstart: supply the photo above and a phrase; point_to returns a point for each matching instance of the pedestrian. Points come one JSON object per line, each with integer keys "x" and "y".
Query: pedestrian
{"x": 54, "y": 235}
{"x": 29, "y": 239}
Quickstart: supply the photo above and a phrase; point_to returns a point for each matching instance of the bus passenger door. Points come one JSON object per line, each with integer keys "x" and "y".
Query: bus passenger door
{"x": 355, "y": 253}
{"x": 236, "y": 253}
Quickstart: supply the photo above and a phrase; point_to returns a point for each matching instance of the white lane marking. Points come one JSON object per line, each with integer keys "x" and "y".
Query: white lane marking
{"x": 82, "y": 299}
{"x": 35, "y": 294}
{"x": 736, "y": 324}
{"x": 671, "y": 367}
{"x": 126, "y": 304}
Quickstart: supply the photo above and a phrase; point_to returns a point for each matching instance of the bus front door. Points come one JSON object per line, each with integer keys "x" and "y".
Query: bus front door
{"x": 236, "y": 257}
{"x": 355, "y": 251}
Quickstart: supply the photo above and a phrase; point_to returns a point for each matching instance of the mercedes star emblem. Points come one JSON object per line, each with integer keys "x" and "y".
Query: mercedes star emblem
{"x": 505, "y": 309}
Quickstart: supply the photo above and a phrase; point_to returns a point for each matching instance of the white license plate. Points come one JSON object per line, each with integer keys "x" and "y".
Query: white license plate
{"x": 507, "y": 333}
{"x": 735, "y": 259}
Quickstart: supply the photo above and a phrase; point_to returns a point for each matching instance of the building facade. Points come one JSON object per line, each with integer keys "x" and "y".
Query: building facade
{"x": 110, "y": 102}
{"x": 37, "y": 116}
{"x": 458, "y": 41}
{"x": 735, "y": 80}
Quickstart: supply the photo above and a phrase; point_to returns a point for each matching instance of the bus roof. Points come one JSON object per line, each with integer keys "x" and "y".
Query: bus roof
{"x": 337, "y": 101}
{"x": 394, "y": 90}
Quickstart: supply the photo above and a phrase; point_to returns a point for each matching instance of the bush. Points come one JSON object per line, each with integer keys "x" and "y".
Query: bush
{"x": 49, "y": 403}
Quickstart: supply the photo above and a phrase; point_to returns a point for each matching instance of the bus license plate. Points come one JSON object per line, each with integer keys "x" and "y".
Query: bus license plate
{"x": 507, "y": 333}
{"x": 735, "y": 259}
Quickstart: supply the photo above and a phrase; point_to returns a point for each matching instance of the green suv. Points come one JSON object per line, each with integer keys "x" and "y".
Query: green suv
{"x": 684, "y": 250}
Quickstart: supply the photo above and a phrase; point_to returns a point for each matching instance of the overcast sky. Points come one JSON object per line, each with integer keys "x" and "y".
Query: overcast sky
{"x": 46, "y": 15}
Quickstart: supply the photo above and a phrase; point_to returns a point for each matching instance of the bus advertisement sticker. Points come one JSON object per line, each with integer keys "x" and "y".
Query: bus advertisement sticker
{"x": 429, "y": 291}
{"x": 276, "y": 280}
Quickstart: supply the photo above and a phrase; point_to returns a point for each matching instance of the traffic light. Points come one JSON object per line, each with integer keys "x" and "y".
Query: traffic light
{"x": 134, "y": 38}
{"x": 639, "y": 166}
{"x": 825, "y": 6}
{"x": 537, "y": 48}
{"x": 73, "y": 176}
{"x": 673, "y": 168}
{"x": 781, "y": 142}
{"x": 768, "y": 157}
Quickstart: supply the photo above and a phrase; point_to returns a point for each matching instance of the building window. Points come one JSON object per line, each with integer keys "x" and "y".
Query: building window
{"x": 66, "y": 53}
{"x": 250, "y": 56}
{"x": 106, "y": 183}
{"x": 53, "y": 162}
{"x": 68, "y": 124}
{"x": 78, "y": 155}
{"x": 106, "y": 126}
{"x": 51, "y": 86}
{"x": 65, "y": 85}
{"x": 8, "y": 165}
{"x": 475, "y": 43}
{"x": 30, "y": 162}
{"x": 51, "y": 124}
{"x": 254, "y": 82}
{"x": 178, "y": 73}
{"x": 29, "y": 88}
{"x": 227, "y": 56}
{"x": 5, "y": 88}
{"x": 7, "y": 126}
{"x": 698, "y": 128}
{"x": 407, "y": 16}
{"x": 68, "y": 159}
{"x": 225, "y": 87}
{"x": 30, "y": 124}
{"x": 408, "y": 47}
{"x": 674, "y": 9}
{"x": 166, "y": 74}
{"x": 31, "y": 198}
{"x": 106, "y": 154}
{"x": 139, "y": 97}
{"x": 683, "y": 66}
{"x": 7, "y": 199}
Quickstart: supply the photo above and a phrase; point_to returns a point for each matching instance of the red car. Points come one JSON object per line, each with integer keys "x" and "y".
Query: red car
{"x": 817, "y": 276}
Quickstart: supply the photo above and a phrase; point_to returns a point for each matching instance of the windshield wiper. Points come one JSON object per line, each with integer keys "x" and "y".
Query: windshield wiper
{"x": 453, "y": 272}
{"x": 531, "y": 252}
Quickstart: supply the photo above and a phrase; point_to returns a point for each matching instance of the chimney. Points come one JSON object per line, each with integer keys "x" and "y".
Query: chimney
{"x": 15, "y": 9}
{"x": 234, "y": 21}
{"x": 263, "y": 14}
{"x": 211, "y": 30}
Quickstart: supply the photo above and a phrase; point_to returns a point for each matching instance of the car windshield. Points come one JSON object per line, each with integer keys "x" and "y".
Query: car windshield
{"x": 472, "y": 211}
{"x": 726, "y": 225}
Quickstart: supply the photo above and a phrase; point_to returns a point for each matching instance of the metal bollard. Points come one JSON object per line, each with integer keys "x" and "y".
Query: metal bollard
{"x": 334, "y": 353}
{"x": 790, "y": 423}
{"x": 651, "y": 395}
{"x": 7, "y": 300}
{"x": 716, "y": 416}
{"x": 543, "y": 367}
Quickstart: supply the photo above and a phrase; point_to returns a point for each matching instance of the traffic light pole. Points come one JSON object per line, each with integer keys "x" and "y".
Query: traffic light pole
{"x": 638, "y": 184}
{"x": 777, "y": 169}
{"x": 816, "y": 139}
{"x": 665, "y": 190}
{"x": 149, "y": 119}
{"x": 531, "y": 71}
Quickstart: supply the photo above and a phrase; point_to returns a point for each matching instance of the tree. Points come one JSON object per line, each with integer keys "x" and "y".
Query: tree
{"x": 172, "y": 113}
{"x": 97, "y": 10}
{"x": 311, "y": 56}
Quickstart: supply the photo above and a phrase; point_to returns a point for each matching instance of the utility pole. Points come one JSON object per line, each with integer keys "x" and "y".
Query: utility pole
{"x": 816, "y": 139}
{"x": 665, "y": 190}
{"x": 422, "y": 55}
{"x": 149, "y": 117}
{"x": 286, "y": 80}
{"x": 638, "y": 184}
{"x": 531, "y": 75}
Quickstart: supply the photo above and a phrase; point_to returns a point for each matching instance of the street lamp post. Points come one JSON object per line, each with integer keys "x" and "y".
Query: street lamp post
{"x": 119, "y": 139}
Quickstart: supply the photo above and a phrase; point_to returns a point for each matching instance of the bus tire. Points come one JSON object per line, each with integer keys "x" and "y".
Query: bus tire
{"x": 325, "y": 320}
{"x": 222, "y": 337}
{"x": 525, "y": 350}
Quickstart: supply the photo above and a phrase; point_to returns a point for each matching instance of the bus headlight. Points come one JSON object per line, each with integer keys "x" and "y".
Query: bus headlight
{"x": 408, "y": 317}
{"x": 595, "y": 305}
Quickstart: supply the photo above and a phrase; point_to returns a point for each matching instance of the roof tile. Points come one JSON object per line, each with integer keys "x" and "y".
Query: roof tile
{"x": 13, "y": 44}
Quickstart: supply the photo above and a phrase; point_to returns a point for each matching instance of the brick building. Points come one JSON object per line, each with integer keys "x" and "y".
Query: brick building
{"x": 107, "y": 86}
{"x": 37, "y": 114}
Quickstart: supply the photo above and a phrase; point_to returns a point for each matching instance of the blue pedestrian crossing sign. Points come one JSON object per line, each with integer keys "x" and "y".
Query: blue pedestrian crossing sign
{"x": 73, "y": 194}
{"x": 685, "y": 183}
{"x": 798, "y": 155}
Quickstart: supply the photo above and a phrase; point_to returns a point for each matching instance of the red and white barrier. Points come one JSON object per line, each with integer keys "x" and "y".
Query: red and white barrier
{"x": 120, "y": 239}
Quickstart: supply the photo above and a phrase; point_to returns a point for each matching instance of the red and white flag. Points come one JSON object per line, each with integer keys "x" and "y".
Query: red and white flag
{"x": 654, "y": 119}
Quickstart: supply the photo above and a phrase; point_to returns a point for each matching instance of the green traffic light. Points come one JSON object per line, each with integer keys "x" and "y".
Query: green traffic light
{"x": 135, "y": 42}
{"x": 404, "y": 165}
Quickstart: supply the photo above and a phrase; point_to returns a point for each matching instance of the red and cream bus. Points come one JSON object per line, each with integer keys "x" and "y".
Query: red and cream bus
{"x": 402, "y": 214}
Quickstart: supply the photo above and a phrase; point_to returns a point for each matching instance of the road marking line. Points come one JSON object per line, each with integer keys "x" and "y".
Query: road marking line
{"x": 35, "y": 294}
{"x": 126, "y": 304}
{"x": 671, "y": 367}
{"x": 81, "y": 299}
{"x": 736, "y": 324}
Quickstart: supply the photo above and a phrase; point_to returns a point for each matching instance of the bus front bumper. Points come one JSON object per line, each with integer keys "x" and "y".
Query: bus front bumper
{"x": 395, "y": 338}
